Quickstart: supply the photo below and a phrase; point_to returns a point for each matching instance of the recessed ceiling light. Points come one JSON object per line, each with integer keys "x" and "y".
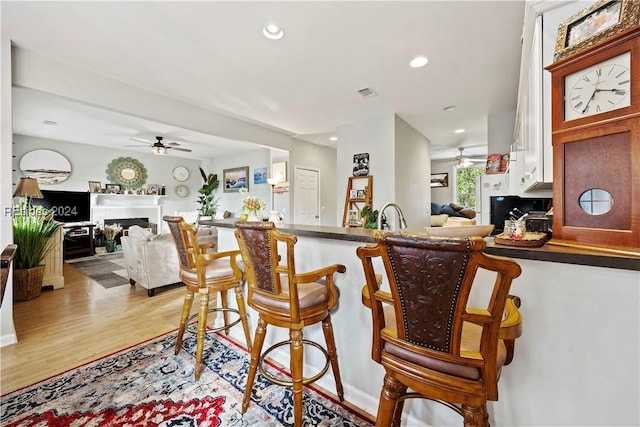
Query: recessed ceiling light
{"x": 418, "y": 61}
{"x": 333, "y": 138}
{"x": 273, "y": 32}
{"x": 449, "y": 108}
{"x": 458, "y": 131}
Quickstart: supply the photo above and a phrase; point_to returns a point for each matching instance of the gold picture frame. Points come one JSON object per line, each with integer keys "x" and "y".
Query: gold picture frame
{"x": 600, "y": 21}
{"x": 95, "y": 187}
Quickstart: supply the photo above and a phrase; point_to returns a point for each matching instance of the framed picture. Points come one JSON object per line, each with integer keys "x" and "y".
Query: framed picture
{"x": 439, "y": 180}
{"x": 152, "y": 189}
{"x": 235, "y": 179}
{"x": 352, "y": 217}
{"x": 353, "y": 194}
{"x": 361, "y": 164}
{"x": 361, "y": 194}
{"x": 600, "y": 21}
{"x": 113, "y": 188}
{"x": 260, "y": 175}
{"x": 95, "y": 187}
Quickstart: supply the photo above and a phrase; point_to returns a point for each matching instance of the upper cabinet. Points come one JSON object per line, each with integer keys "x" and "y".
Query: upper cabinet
{"x": 532, "y": 166}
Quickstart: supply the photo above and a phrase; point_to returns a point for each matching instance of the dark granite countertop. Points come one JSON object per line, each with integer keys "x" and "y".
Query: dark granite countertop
{"x": 548, "y": 252}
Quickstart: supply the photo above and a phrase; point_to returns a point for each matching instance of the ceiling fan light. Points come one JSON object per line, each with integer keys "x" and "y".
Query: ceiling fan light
{"x": 159, "y": 150}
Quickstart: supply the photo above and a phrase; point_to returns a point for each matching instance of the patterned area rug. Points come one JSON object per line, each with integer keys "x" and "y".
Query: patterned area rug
{"x": 147, "y": 385}
{"x": 107, "y": 269}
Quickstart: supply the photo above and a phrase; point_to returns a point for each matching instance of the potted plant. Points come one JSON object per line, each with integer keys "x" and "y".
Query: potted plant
{"x": 206, "y": 200}
{"x": 32, "y": 232}
{"x": 370, "y": 217}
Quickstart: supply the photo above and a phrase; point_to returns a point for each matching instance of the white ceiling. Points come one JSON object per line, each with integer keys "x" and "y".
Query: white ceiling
{"x": 213, "y": 55}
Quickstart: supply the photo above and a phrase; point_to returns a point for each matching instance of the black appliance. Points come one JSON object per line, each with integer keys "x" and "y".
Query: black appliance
{"x": 507, "y": 207}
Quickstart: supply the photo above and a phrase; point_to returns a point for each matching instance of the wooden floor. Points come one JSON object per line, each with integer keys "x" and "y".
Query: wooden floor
{"x": 67, "y": 327}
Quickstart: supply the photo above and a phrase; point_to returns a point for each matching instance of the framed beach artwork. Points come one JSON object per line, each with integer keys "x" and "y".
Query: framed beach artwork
{"x": 46, "y": 166}
{"x": 235, "y": 178}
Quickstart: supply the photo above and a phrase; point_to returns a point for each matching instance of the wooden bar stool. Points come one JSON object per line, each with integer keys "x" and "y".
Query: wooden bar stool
{"x": 287, "y": 299}
{"x": 205, "y": 273}
{"x": 426, "y": 335}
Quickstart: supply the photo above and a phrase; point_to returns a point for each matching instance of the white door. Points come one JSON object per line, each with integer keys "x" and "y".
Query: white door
{"x": 306, "y": 196}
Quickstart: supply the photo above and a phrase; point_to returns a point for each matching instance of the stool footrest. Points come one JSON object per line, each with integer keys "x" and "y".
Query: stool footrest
{"x": 305, "y": 381}
{"x": 192, "y": 327}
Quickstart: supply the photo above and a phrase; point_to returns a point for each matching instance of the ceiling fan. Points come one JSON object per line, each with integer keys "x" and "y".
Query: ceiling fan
{"x": 465, "y": 162}
{"x": 159, "y": 147}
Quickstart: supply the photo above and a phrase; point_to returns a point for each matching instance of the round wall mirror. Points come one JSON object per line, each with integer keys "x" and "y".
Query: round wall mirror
{"x": 127, "y": 172}
{"x": 46, "y": 166}
{"x": 596, "y": 201}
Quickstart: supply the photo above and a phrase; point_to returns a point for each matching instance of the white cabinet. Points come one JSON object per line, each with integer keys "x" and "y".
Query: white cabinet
{"x": 532, "y": 166}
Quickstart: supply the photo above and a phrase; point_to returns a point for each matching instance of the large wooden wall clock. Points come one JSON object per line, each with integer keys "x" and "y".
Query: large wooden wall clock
{"x": 595, "y": 104}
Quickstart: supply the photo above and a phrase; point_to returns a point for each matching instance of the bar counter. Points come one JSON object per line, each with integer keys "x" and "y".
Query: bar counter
{"x": 575, "y": 364}
{"x": 548, "y": 252}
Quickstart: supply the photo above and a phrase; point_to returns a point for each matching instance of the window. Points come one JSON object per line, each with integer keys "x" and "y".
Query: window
{"x": 466, "y": 186}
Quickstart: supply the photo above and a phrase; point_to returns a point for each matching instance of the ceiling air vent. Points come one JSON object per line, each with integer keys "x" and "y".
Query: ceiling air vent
{"x": 367, "y": 92}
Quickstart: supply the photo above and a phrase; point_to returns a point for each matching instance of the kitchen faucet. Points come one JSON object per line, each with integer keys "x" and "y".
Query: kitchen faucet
{"x": 401, "y": 220}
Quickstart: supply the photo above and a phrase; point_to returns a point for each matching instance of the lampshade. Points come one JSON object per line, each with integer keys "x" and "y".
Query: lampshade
{"x": 28, "y": 187}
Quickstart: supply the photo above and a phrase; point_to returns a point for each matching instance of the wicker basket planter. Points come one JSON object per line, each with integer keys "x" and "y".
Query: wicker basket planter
{"x": 27, "y": 283}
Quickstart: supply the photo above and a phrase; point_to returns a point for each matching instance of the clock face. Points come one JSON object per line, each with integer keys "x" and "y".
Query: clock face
{"x": 599, "y": 88}
{"x": 180, "y": 173}
{"x": 182, "y": 190}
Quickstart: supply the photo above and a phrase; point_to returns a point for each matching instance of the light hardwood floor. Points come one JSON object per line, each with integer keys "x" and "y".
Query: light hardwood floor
{"x": 64, "y": 328}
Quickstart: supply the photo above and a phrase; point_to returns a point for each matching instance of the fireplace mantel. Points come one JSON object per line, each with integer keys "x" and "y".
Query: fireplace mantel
{"x": 110, "y": 206}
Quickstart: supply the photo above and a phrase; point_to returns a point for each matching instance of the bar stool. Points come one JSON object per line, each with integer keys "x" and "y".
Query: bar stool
{"x": 426, "y": 335}
{"x": 204, "y": 273}
{"x": 287, "y": 299}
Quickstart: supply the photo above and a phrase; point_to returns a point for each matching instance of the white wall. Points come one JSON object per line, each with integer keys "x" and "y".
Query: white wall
{"x": 304, "y": 154}
{"x": 89, "y": 163}
{"x": 376, "y": 137}
{"x": 413, "y": 174}
{"x": 232, "y": 202}
{"x": 7, "y": 330}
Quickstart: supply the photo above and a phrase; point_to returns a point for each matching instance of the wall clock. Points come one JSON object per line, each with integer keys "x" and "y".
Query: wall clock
{"x": 181, "y": 190}
{"x": 180, "y": 173}
{"x": 595, "y": 121}
{"x": 602, "y": 87}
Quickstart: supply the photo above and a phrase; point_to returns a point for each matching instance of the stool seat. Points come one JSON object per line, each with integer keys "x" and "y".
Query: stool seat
{"x": 284, "y": 298}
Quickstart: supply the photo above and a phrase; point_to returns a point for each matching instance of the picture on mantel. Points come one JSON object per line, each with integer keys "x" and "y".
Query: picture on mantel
{"x": 361, "y": 164}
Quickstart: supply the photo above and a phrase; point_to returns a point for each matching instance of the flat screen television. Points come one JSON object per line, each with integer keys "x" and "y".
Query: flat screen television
{"x": 67, "y": 206}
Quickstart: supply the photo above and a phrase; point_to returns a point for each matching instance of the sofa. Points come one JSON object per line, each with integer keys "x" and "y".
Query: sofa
{"x": 151, "y": 259}
{"x": 451, "y": 215}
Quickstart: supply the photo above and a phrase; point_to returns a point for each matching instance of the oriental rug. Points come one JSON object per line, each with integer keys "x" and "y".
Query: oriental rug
{"x": 148, "y": 386}
{"x": 107, "y": 269}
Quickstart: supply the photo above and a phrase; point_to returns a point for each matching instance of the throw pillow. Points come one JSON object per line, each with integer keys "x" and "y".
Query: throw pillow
{"x": 138, "y": 233}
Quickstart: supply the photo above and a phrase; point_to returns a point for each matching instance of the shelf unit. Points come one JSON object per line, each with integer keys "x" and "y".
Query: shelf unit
{"x": 362, "y": 188}
{"x": 78, "y": 241}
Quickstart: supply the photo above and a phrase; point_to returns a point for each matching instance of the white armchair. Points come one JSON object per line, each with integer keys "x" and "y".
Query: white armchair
{"x": 150, "y": 259}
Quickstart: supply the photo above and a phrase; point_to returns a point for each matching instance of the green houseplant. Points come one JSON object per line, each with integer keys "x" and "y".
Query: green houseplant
{"x": 32, "y": 232}
{"x": 208, "y": 205}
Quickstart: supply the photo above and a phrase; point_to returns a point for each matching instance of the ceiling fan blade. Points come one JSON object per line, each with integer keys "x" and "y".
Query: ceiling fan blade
{"x": 144, "y": 141}
{"x": 137, "y": 146}
{"x": 188, "y": 150}
{"x": 172, "y": 144}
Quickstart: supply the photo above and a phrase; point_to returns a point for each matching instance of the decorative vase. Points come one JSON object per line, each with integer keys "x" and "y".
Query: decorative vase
{"x": 110, "y": 245}
{"x": 27, "y": 283}
{"x": 253, "y": 216}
